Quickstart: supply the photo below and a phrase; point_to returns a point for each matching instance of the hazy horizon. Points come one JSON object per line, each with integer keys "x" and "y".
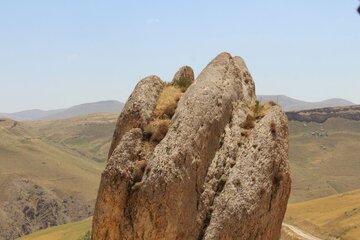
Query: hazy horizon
{"x": 109, "y": 100}
{"x": 59, "y": 54}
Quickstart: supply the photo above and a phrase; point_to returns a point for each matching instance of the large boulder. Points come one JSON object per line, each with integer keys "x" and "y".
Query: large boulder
{"x": 220, "y": 172}
{"x": 184, "y": 77}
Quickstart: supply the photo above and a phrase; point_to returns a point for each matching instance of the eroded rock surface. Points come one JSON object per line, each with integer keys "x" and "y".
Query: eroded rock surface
{"x": 138, "y": 109}
{"x": 31, "y": 207}
{"x": 220, "y": 172}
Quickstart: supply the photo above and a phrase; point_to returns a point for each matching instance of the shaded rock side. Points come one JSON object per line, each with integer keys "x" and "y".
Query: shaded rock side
{"x": 220, "y": 172}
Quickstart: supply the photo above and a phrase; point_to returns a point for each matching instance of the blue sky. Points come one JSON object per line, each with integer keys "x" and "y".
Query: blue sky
{"x": 56, "y": 54}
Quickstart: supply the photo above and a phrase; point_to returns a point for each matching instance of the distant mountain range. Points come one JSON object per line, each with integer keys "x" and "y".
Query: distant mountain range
{"x": 292, "y": 104}
{"x": 287, "y": 103}
{"x": 78, "y": 110}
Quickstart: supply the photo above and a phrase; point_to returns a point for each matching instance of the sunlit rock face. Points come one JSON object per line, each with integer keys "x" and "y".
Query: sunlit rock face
{"x": 219, "y": 171}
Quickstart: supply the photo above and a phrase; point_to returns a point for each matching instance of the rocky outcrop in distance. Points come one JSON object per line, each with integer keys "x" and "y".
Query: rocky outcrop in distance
{"x": 196, "y": 159}
{"x": 30, "y": 207}
{"x": 323, "y": 114}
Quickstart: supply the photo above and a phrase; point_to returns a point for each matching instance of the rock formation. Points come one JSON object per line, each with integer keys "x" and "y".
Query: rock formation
{"x": 184, "y": 77}
{"x": 215, "y": 168}
{"x": 31, "y": 207}
{"x": 320, "y": 115}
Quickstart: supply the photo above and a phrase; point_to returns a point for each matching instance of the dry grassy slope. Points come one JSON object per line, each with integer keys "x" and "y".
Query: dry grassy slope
{"x": 89, "y": 135}
{"x": 323, "y": 166}
{"x": 317, "y": 172}
{"x": 71, "y": 231}
{"x": 55, "y": 157}
{"x": 334, "y": 217}
{"x": 44, "y": 151}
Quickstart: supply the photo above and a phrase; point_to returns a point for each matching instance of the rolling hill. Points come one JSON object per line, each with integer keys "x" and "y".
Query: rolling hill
{"x": 47, "y": 176}
{"x": 324, "y": 157}
{"x": 75, "y": 111}
{"x": 292, "y": 104}
{"x": 88, "y": 135}
{"x": 86, "y": 109}
{"x": 288, "y": 104}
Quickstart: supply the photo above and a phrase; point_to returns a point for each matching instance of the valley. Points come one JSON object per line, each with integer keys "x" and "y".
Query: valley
{"x": 324, "y": 158}
{"x": 58, "y": 163}
{"x": 194, "y": 120}
{"x": 47, "y": 176}
{"x": 333, "y": 217}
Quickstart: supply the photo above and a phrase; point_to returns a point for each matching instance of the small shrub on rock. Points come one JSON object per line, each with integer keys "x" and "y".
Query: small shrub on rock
{"x": 148, "y": 132}
{"x": 183, "y": 83}
{"x": 169, "y": 111}
{"x": 136, "y": 186}
{"x": 258, "y": 110}
{"x": 167, "y": 102}
{"x": 249, "y": 122}
{"x": 160, "y": 132}
{"x": 183, "y": 78}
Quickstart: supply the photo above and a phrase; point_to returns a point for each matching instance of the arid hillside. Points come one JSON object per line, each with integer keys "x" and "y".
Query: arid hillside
{"x": 322, "y": 114}
{"x": 49, "y": 171}
{"x": 321, "y": 166}
{"x": 45, "y": 160}
{"x": 334, "y": 217}
{"x": 324, "y": 158}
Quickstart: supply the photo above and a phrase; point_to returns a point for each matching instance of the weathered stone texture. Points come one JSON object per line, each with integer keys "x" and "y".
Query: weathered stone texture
{"x": 209, "y": 178}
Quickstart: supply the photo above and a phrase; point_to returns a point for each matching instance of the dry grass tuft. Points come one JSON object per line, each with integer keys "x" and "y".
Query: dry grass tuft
{"x": 258, "y": 110}
{"x": 136, "y": 186}
{"x": 148, "y": 132}
{"x": 249, "y": 122}
{"x": 156, "y": 130}
{"x": 167, "y": 102}
{"x": 161, "y": 128}
{"x": 183, "y": 83}
{"x": 169, "y": 111}
{"x": 165, "y": 109}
